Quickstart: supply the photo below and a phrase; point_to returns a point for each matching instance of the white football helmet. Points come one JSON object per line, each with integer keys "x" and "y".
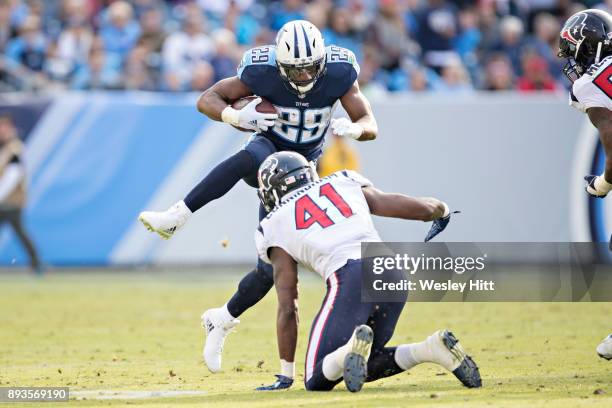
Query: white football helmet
{"x": 300, "y": 55}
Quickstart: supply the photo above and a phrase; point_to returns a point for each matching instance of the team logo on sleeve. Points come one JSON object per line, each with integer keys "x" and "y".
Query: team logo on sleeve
{"x": 572, "y": 31}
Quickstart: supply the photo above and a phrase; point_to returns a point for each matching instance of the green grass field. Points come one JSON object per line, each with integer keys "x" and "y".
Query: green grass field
{"x": 127, "y": 331}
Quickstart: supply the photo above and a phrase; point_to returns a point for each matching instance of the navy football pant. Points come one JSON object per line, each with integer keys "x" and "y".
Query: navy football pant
{"x": 242, "y": 165}
{"x": 342, "y": 311}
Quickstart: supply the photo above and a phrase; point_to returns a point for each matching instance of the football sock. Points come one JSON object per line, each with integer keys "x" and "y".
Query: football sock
{"x": 220, "y": 180}
{"x": 251, "y": 289}
{"x": 404, "y": 356}
{"x": 287, "y": 368}
{"x": 333, "y": 363}
{"x": 224, "y": 314}
{"x": 428, "y": 351}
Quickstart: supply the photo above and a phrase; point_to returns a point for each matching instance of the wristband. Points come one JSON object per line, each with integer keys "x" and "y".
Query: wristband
{"x": 230, "y": 115}
{"x": 446, "y": 210}
{"x": 357, "y": 134}
{"x": 602, "y": 185}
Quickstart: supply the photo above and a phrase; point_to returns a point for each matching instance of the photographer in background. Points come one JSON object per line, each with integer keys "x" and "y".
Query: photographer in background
{"x": 13, "y": 186}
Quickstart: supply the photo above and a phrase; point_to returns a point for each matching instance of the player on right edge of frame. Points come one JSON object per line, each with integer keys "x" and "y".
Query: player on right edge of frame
{"x": 586, "y": 44}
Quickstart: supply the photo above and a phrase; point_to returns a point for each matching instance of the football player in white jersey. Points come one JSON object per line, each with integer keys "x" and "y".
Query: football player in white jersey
{"x": 586, "y": 44}
{"x": 320, "y": 224}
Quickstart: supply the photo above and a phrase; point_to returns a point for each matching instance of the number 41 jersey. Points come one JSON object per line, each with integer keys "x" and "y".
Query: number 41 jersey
{"x": 320, "y": 225}
{"x": 302, "y": 121}
{"x": 594, "y": 88}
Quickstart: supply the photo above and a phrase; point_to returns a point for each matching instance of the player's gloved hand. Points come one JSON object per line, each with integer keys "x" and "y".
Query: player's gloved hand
{"x": 344, "y": 127}
{"x": 597, "y": 186}
{"x": 439, "y": 225}
{"x": 281, "y": 383}
{"x": 248, "y": 117}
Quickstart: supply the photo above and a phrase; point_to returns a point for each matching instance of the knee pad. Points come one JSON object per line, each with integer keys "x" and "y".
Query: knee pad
{"x": 322, "y": 384}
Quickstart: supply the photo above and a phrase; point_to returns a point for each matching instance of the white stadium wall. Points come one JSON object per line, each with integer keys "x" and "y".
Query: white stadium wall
{"x": 513, "y": 164}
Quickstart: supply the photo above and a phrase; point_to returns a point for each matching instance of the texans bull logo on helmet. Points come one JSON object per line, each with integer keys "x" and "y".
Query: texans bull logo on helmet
{"x": 572, "y": 31}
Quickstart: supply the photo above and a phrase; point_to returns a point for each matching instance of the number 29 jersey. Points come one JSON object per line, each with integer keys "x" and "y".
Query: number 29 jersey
{"x": 302, "y": 121}
{"x": 321, "y": 225}
{"x": 594, "y": 88}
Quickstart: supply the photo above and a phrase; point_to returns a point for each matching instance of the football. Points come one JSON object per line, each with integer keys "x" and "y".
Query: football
{"x": 264, "y": 106}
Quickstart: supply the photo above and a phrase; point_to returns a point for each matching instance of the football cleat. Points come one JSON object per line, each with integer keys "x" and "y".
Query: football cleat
{"x": 590, "y": 187}
{"x": 281, "y": 383}
{"x": 604, "y": 350}
{"x": 356, "y": 361}
{"x": 438, "y": 226}
{"x": 166, "y": 223}
{"x": 454, "y": 358}
{"x": 217, "y": 330}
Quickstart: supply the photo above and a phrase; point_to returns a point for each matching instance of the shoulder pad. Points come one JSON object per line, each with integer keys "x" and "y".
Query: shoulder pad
{"x": 335, "y": 54}
{"x": 264, "y": 55}
{"x": 356, "y": 178}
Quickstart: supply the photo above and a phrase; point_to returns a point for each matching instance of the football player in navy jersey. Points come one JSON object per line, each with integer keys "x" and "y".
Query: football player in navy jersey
{"x": 303, "y": 79}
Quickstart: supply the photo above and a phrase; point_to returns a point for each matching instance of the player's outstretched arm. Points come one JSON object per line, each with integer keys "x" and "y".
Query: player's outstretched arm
{"x": 286, "y": 281}
{"x": 602, "y": 119}
{"x": 216, "y": 98}
{"x": 402, "y": 206}
{"x": 362, "y": 125}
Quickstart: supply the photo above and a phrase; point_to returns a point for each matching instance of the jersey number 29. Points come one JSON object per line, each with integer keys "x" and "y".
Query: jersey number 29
{"x": 307, "y": 212}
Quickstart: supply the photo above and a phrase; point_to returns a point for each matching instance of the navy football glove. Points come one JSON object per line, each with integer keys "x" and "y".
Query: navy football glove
{"x": 439, "y": 225}
{"x": 590, "y": 187}
{"x": 282, "y": 383}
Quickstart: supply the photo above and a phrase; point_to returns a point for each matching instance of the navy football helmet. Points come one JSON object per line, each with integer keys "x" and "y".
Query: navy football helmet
{"x": 281, "y": 173}
{"x": 585, "y": 40}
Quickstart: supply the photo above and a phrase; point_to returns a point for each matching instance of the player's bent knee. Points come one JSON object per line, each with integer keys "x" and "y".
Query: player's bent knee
{"x": 319, "y": 384}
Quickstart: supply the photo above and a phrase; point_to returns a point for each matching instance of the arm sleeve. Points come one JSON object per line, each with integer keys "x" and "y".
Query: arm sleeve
{"x": 258, "y": 74}
{"x": 342, "y": 69}
{"x": 13, "y": 174}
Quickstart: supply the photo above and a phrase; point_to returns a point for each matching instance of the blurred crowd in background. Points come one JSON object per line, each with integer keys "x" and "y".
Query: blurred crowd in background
{"x": 402, "y": 45}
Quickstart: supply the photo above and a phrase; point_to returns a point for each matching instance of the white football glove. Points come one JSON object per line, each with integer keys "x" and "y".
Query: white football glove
{"x": 344, "y": 127}
{"x": 248, "y": 117}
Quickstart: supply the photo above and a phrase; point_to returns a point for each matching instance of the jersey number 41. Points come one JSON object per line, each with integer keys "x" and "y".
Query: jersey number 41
{"x": 307, "y": 212}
